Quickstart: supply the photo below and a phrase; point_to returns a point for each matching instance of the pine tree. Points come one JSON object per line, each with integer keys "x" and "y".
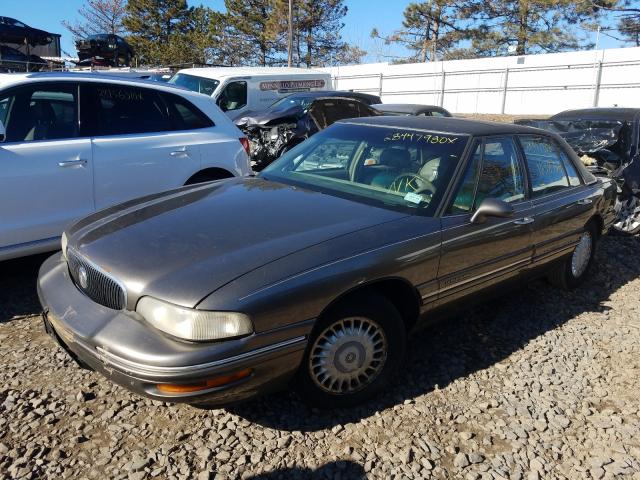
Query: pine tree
{"x": 531, "y": 26}
{"x": 248, "y": 33}
{"x": 430, "y": 29}
{"x": 155, "y": 27}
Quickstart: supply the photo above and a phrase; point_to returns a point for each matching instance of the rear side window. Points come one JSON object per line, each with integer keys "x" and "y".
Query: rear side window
{"x": 494, "y": 171}
{"x": 126, "y": 110}
{"x": 184, "y": 114}
{"x": 40, "y": 112}
{"x": 546, "y": 165}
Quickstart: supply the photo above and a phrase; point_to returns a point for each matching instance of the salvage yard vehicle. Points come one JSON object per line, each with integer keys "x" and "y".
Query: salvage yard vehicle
{"x": 71, "y": 144}
{"x": 238, "y": 90}
{"x": 108, "y": 49}
{"x": 197, "y": 295}
{"x": 608, "y": 142}
{"x": 412, "y": 109}
{"x": 295, "y": 118}
{"x": 12, "y": 60}
{"x": 14, "y": 31}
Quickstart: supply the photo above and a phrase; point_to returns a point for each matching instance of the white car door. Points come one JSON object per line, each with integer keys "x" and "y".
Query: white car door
{"x": 135, "y": 149}
{"x": 46, "y": 179}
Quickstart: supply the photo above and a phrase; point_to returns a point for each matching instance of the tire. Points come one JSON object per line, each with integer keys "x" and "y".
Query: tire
{"x": 572, "y": 271}
{"x": 351, "y": 366}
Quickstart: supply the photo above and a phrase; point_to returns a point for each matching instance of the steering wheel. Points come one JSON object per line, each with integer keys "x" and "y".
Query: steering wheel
{"x": 411, "y": 182}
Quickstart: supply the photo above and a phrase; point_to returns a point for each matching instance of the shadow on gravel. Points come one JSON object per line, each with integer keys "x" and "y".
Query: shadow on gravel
{"x": 18, "y": 295}
{"x": 344, "y": 469}
{"x": 468, "y": 341}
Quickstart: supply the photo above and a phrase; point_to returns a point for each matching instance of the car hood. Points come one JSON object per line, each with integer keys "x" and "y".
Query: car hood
{"x": 263, "y": 117}
{"x": 184, "y": 244}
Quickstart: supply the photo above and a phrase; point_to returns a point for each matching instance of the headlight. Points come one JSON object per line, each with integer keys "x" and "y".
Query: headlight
{"x": 63, "y": 244}
{"x": 192, "y": 324}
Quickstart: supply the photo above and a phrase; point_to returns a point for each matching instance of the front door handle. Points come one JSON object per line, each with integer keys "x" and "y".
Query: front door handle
{"x": 180, "y": 152}
{"x": 72, "y": 163}
{"x": 524, "y": 221}
{"x": 585, "y": 201}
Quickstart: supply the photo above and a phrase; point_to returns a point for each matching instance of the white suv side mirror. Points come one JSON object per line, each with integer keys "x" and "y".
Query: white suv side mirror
{"x": 2, "y": 132}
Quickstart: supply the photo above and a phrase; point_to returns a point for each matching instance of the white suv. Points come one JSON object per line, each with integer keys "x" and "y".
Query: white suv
{"x": 71, "y": 144}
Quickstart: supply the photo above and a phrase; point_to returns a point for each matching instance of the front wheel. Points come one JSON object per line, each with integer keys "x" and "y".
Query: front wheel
{"x": 353, "y": 353}
{"x": 572, "y": 271}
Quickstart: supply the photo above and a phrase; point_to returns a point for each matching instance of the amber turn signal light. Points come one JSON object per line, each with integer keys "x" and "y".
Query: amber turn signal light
{"x": 218, "y": 381}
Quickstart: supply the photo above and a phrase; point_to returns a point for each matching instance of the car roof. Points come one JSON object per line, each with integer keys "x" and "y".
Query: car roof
{"x": 218, "y": 72}
{"x": 407, "y": 107}
{"x": 600, "y": 113}
{"x": 461, "y": 126}
{"x": 9, "y": 79}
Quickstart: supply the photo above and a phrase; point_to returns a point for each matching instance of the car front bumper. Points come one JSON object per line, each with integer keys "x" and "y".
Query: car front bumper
{"x": 123, "y": 348}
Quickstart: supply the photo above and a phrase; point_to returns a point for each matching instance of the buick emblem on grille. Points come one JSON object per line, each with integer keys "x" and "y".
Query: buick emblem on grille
{"x": 83, "y": 278}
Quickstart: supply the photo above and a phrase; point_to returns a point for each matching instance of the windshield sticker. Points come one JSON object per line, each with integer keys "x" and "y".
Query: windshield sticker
{"x": 413, "y": 197}
{"x": 419, "y": 137}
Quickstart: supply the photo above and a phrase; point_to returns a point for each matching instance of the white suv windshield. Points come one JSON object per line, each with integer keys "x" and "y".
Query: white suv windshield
{"x": 196, "y": 84}
{"x": 407, "y": 169}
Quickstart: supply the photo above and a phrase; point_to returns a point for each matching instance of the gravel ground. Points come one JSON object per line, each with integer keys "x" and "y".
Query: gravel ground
{"x": 540, "y": 384}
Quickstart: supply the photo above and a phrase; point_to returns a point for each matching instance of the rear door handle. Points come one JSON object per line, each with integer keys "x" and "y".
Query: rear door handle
{"x": 585, "y": 201}
{"x": 72, "y": 163}
{"x": 180, "y": 152}
{"x": 524, "y": 221}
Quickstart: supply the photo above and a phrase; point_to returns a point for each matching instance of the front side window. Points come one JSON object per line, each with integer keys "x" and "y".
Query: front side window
{"x": 196, "y": 84}
{"x": 40, "y": 113}
{"x": 546, "y": 165}
{"x": 494, "y": 171}
{"x": 233, "y": 97}
{"x": 397, "y": 168}
{"x": 128, "y": 110}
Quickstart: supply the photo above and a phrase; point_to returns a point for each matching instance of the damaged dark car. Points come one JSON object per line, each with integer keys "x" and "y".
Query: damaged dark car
{"x": 104, "y": 49}
{"x": 293, "y": 119}
{"x": 608, "y": 143}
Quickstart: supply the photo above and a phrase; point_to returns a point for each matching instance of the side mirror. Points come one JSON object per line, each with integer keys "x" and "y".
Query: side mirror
{"x": 491, "y": 207}
{"x": 3, "y": 132}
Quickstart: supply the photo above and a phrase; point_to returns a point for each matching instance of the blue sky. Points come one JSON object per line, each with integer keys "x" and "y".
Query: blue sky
{"x": 363, "y": 15}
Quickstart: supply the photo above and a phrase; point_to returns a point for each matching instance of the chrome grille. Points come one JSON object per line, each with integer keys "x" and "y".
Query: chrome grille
{"x": 97, "y": 285}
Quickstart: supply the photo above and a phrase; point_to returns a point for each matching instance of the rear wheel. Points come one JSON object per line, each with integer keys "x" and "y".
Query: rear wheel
{"x": 572, "y": 271}
{"x": 353, "y": 353}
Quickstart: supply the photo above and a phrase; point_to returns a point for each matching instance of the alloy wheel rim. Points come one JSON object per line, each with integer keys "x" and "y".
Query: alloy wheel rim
{"x": 581, "y": 255}
{"x": 348, "y": 355}
{"x": 629, "y": 214}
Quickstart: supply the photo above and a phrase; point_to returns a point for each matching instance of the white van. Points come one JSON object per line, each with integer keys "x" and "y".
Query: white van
{"x": 240, "y": 89}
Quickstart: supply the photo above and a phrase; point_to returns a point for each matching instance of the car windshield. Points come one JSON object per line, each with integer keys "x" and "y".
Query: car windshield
{"x": 196, "y": 84}
{"x": 393, "y": 167}
{"x": 292, "y": 101}
{"x": 11, "y": 21}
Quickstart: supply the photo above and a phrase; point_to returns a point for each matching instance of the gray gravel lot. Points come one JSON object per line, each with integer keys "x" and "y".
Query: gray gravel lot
{"x": 538, "y": 384}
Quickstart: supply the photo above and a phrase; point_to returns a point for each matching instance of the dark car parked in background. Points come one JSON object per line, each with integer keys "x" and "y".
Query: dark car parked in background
{"x": 105, "y": 49}
{"x": 293, "y": 119}
{"x": 412, "y": 109}
{"x": 318, "y": 269}
{"x": 14, "y": 31}
{"x": 12, "y": 60}
{"x": 608, "y": 142}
